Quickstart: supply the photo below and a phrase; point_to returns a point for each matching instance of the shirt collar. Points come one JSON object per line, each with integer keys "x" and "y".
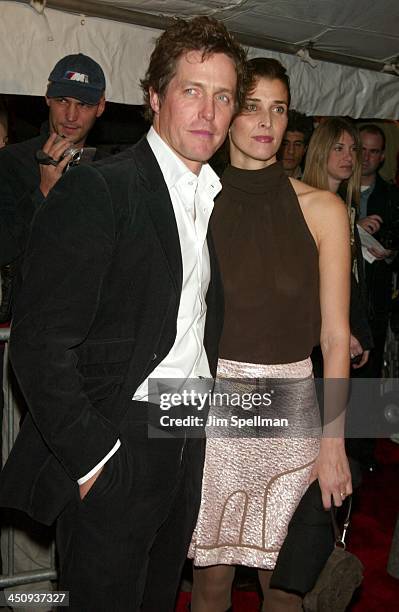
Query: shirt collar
{"x": 367, "y": 188}
{"x": 175, "y": 170}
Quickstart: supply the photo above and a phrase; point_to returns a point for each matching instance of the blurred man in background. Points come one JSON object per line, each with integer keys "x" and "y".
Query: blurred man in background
{"x": 295, "y": 143}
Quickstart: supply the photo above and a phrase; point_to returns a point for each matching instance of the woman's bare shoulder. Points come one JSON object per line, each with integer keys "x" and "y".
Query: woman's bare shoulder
{"x": 324, "y": 212}
{"x": 318, "y": 200}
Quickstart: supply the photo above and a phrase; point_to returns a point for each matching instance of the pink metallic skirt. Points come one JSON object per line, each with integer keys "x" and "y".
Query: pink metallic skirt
{"x": 252, "y": 486}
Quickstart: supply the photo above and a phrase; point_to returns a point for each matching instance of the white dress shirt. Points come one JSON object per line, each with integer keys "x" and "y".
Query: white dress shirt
{"x": 192, "y": 199}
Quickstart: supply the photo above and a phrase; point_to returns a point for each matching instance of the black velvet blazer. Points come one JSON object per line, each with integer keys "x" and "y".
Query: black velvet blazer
{"x": 97, "y": 312}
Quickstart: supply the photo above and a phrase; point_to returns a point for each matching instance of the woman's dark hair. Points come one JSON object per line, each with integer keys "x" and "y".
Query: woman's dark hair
{"x": 268, "y": 68}
{"x": 298, "y": 122}
{"x": 203, "y": 34}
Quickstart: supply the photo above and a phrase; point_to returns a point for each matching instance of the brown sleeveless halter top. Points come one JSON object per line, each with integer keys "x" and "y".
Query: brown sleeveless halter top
{"x": 269, "y": 266}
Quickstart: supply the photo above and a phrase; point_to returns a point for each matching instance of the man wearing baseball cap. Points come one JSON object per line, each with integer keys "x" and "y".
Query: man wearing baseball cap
{"x": 77, "y": 76}
{"x": 75, "y": 97}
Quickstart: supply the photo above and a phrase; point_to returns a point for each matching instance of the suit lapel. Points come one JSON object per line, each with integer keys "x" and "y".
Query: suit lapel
{"x": 215, "y": 290}
{"x": 156, "y": 197}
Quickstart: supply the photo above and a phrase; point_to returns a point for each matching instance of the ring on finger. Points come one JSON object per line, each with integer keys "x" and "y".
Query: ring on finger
{"x": 45, "y": 159}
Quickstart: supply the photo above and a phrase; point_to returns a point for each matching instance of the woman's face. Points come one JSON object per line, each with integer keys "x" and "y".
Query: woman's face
{"x": 256, "y": 133}
{"x": 341, "y": 159}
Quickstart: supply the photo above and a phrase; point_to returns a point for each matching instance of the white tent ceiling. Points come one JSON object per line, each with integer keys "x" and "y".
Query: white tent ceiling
{"x": 359, "y": 32}
{"x": 353, "y": 45}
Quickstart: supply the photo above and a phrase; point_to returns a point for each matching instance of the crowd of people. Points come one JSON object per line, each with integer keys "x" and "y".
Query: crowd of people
{"x": 163, "y": 263}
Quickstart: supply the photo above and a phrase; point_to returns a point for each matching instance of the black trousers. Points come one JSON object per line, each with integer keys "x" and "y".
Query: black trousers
{"x": 124, "y": 545}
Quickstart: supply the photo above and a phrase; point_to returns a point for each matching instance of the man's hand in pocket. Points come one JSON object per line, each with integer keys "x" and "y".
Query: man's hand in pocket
{"x": 86, "y": 486}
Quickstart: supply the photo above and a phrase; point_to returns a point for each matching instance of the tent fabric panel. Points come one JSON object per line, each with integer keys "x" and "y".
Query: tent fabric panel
{"x": 332, "y": 90}
{"x": 32, "y": 43}
{"x": 351, "y": 42}
{"x": 370, "y": 16}
{"x": 178, "y": 7}
{"x": 367, "y": 15}
{"x": 289, "y": 30}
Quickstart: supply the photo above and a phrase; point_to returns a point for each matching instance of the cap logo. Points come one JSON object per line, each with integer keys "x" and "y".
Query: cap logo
{"x": 76, "y": 76}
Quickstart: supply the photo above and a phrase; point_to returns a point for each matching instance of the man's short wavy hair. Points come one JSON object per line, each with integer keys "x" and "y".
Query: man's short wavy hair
{"x": 203, "y": 34}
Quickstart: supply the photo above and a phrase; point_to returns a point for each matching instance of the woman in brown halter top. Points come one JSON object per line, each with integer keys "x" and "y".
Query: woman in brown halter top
{"x": 284, "y": 254}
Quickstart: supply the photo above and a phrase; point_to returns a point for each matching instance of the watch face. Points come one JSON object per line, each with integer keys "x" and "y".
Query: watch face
{"x": 80, "y": 156}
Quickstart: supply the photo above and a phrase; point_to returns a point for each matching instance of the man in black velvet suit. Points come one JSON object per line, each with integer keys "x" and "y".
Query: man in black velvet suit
{"x": 75, "y": 99}
{"x": 119, "y": 283}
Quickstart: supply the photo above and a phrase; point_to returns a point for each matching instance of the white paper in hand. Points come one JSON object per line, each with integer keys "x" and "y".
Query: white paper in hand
{"x": 368, "y": 241}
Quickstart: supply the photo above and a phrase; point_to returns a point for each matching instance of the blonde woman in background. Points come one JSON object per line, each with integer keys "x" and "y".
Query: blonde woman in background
{"x": 334, "y": 162}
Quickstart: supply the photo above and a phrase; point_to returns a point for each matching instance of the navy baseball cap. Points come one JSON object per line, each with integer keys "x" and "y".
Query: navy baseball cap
{"x": 77, "y": 76}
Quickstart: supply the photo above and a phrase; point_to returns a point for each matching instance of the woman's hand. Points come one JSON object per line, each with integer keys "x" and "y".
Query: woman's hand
{"x": 371, "y": 224}
{"x": 356, "y": 350}
{"x": 332, "y": 470}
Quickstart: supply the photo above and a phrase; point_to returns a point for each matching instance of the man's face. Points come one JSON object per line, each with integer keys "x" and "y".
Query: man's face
{"x": 292, "y": 150}
{"x": 195, "y": 113}
{"x": 372, "y": 153}
{"x": 73, "y": 119}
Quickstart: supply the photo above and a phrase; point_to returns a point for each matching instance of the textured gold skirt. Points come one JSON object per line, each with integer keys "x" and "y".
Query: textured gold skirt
{"x": 252, "y": 486}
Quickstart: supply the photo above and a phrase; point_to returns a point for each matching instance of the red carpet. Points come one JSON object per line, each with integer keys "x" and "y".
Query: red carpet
{"x": 371, "y": 532}
{"x": 374, "y": 516}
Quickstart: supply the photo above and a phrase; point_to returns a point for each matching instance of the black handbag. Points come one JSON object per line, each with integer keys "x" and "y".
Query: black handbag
{"x": 341, "y": 575}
